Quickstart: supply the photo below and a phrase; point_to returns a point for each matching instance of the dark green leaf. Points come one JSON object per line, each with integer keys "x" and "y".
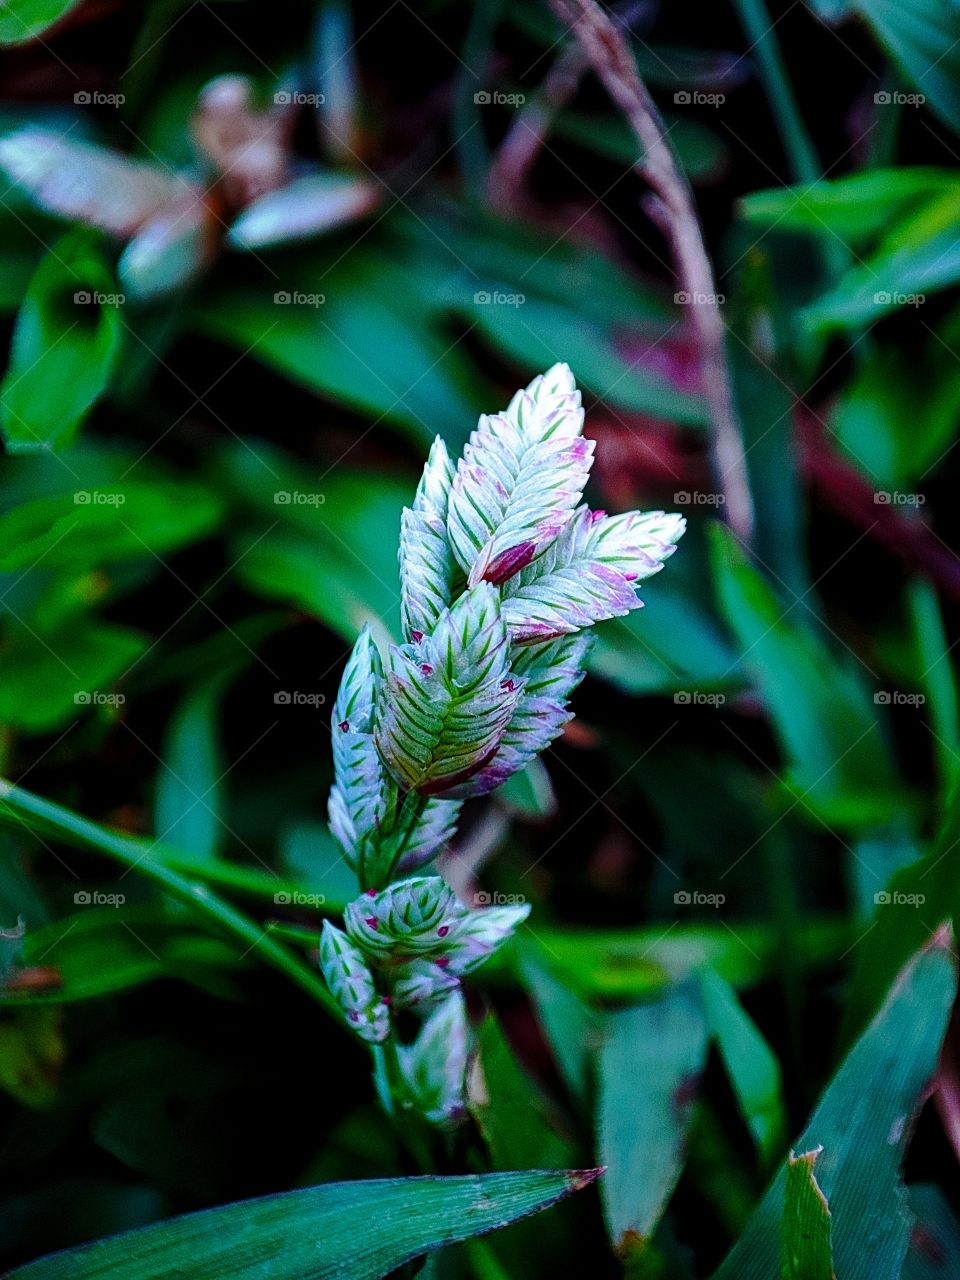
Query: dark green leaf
{"x": 863, "y": 1123}
{"x": 65, "y": 345}
{"x": 340, "y": 1231}
{"x": 67, "y": 671}
{"x": 924, "y": 40}
{"x": 649, "y": 1066}
{"x": 188, "y": 809}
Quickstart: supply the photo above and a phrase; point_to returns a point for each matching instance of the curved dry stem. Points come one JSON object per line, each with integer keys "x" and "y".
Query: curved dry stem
{"x": 672, "y": 207}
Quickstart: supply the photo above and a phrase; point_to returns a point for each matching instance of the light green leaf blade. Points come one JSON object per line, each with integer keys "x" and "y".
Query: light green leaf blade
{"x": 806, "y": 1222}
{"x": 511, "y": 1113}
{"x": 128, "y": 520}
{"x": 751, "y": 1065}
{"x": 336, "y": 1231}
{"x": 23, "y": 20}
{"x": 829, "y": 731}
{"x": 69, "y": 671}
{"x": 855, "y": 208}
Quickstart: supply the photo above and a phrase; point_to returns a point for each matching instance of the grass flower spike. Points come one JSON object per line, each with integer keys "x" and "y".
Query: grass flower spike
{"x": 502, "y": 573}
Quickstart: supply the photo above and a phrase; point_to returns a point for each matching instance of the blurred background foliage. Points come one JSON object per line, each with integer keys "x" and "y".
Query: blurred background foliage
{"x": 251, "y": 263}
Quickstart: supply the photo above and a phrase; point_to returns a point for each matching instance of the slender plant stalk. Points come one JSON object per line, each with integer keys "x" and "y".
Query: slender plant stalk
{"x": 755, "y": 21}
{"x": 674, "y": 211}
{"x": 21, "y": 808}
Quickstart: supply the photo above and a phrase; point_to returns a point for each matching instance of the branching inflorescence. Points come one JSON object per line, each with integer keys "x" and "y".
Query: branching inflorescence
{"x": 501, "y": 571}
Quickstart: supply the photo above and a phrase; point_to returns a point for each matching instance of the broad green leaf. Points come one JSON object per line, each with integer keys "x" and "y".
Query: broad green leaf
{"x": 343, "y": 589}
{"x": 829, "y": 730}
{"x": 358, "y": 338}
{"x": 100, "y": 950}
{"x": 514, "y": 1116}
{"x": 765, "y": 404}
{"x": 628, "y": 964}
{"x": 511, "y": 1110}
{"x": 132, "y": 519}
{"x": 337, "y": 1231}
{"x": 671, "y": 645}
{"x": 806, "y": 1222}
{"x": 68, "y": 671}
{"x": 649, "y": 1065}
{"x": 856, "y": 209}
{"x": 863, "y": 1124}
{"x": 751, "y": 1065}
{"x": 918, "y": 256}
{"x": 897, "y": 417}
{"x": 23, "y": 20}
{"x": 65, "y": 345}
{"x": 923, "y": 38}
